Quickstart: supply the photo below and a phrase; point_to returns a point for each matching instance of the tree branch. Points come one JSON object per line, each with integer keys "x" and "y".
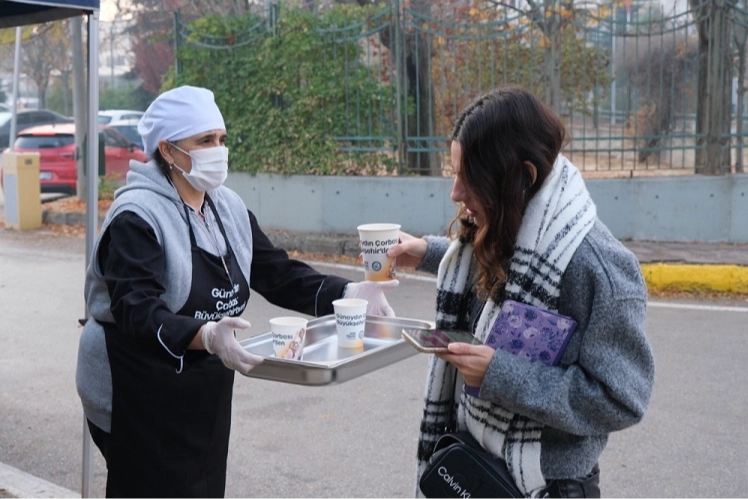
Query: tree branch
{"x": 499, "y": 3}
{"x": 534, "y": 12}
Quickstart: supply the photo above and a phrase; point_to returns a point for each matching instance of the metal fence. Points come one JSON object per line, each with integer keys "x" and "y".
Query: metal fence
{"x": 642, "y": 87}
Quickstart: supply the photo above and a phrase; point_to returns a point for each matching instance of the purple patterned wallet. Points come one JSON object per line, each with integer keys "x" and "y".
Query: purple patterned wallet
{"x": 529, "y": 332}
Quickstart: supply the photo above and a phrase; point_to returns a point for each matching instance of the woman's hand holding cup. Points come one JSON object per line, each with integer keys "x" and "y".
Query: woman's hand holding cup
{"x": 409, "y": 251}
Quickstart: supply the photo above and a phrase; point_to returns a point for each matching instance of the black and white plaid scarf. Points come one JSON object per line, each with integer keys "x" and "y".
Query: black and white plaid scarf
{"x": 556, "y": 221}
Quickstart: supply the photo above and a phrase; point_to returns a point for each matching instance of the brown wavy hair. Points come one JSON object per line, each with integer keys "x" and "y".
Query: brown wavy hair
{"x": 498, "y": 132}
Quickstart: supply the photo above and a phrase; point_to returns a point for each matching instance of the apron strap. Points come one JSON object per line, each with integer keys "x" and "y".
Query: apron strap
{"x": 193, "y": 241}
{"x": 218, "y": 220}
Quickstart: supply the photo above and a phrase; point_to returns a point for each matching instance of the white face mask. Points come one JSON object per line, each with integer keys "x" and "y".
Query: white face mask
{"x": 210, "y": 167}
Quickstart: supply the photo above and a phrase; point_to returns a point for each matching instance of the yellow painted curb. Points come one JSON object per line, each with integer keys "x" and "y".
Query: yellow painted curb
{"x": 688, "y": 277}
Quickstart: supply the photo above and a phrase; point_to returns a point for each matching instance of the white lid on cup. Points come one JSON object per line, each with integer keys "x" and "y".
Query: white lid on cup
{"x": 350, "y": 303}
{"x": 289, "y": 321}
{"x": 378, "y": 227}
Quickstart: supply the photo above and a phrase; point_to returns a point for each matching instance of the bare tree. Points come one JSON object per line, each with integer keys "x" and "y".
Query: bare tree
{"x": 187, "y": 7}
{"x": 418, "y": 87}
{"x": 153, "y": 33}
{"x": 740, "y": 37}
{"x": 46, "y": 50}
{"x": 713, "y": 87}
{"x": 657, "y": 67}
{"x": 550, "y": 17}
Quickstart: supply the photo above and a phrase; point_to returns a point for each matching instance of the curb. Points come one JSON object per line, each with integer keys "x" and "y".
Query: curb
{"x": 17, "y": 483}
{"x": 56, "y": 218}
{"x": 696, "y": 278}
{"x": 659, "y": 276}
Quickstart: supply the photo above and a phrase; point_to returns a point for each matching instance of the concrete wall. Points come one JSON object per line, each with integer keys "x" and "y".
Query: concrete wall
{"x": 682, "y": 208}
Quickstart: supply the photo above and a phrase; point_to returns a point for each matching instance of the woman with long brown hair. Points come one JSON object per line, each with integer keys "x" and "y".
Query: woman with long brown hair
{"x": 527, "y": 230}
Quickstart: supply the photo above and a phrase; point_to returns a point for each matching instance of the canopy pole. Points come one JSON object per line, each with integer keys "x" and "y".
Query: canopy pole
{"x": 92, "y": 197}
{"x": 87, "y": 465}
{"x": 92, "y": 149}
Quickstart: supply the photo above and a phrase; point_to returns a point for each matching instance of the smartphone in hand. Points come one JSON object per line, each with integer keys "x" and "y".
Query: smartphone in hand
{"x": 436, "y": 340}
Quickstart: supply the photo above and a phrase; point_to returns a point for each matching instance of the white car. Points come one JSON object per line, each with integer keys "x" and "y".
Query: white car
{"x": 128, "y": 128}
{"x": 118, "y": 115}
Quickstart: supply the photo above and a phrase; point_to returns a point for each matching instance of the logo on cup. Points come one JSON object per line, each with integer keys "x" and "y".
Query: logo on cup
{"x": 350, "y": 322}
{"x": 375, "y": 240}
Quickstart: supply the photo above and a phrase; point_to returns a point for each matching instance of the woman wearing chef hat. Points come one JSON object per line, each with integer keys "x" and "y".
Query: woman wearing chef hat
{"x": 169, "y": 278}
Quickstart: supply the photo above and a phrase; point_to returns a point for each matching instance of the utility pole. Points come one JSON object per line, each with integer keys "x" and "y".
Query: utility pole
{"x": 14, "y": 107}
{"x": 613, "y": 29}
{"x": 111, "y": 54}
{"x": 80, "y": 108}
{"x": 177, "y": 35}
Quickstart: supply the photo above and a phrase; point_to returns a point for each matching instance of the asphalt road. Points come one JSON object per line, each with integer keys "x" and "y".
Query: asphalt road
{"x": 358, "y": 439}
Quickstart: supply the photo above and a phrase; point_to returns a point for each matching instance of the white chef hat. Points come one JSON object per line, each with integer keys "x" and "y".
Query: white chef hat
{"x": 179, "y": 113}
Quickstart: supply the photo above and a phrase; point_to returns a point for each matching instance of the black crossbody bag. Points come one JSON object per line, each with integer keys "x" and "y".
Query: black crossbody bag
{"x": 459, "y": 467}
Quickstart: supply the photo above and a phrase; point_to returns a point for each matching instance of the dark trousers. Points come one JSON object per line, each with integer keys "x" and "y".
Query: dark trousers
{"x": 100, "y": 438}
{"x": 588, "y": 486}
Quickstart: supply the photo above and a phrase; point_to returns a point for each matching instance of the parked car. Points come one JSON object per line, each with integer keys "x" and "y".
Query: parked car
{"x": 56, "y": 147}
{"x": 105, "y": 117}
{"x": 26, "y": 119}
{"x": 128, "y": 128}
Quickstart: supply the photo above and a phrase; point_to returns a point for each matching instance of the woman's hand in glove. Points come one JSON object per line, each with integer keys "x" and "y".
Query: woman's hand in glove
{"x": 218, "y": 338}
{"x": 372, "y": 292}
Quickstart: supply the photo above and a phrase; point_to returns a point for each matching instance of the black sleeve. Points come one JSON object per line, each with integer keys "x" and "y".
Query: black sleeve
{"x": 133, "y": 264}
{"x": 290, "y": 283}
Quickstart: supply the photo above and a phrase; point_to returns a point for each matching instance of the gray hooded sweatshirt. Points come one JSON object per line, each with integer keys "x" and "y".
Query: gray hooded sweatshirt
{"x": 150, "y": 195}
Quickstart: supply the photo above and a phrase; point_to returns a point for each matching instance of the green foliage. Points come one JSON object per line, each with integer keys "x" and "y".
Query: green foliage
{"x": 129, "y": 96}
{"x": 120, "y": 97}
{"x": 107, "y": 185}
{"x": 292, "y": 95}
{"x": 141, "y": 98}
{"x": 306, "y": 93}
{"x": 58, "y": 99}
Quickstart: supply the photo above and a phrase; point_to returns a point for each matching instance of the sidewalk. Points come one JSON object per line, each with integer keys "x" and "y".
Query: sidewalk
{"x": 17, "y": 483}
{"x": 698, "y": 267}
{"x": 667, "y": 266}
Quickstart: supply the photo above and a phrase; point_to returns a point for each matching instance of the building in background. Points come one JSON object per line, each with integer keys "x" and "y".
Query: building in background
{"x": 116, "y": 59}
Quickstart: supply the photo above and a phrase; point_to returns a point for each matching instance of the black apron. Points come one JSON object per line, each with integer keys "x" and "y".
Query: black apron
{"x": 170, "y": 430}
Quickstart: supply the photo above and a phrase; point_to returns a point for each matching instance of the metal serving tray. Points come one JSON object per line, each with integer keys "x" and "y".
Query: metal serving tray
{"x": 324, "y": 363}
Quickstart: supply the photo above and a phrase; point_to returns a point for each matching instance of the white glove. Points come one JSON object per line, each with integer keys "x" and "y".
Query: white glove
{"x": 219, "y": 338}
{"x": 372, "y": 292}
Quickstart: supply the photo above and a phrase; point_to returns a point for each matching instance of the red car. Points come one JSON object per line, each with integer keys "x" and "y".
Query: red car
{"x": 56, "y": 147}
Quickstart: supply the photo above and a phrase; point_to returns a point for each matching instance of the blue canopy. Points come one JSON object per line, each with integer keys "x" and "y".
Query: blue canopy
{"x": 19, "y": 13}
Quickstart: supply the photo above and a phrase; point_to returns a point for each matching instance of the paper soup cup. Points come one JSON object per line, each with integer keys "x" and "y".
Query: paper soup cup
{"x": 376, "y": 239}
{"x": 288, "y": 335}
{"x": 350, "y": 322}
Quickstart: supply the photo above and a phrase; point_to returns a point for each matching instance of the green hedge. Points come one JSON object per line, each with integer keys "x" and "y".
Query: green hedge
{"x": 289, "y": 93}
